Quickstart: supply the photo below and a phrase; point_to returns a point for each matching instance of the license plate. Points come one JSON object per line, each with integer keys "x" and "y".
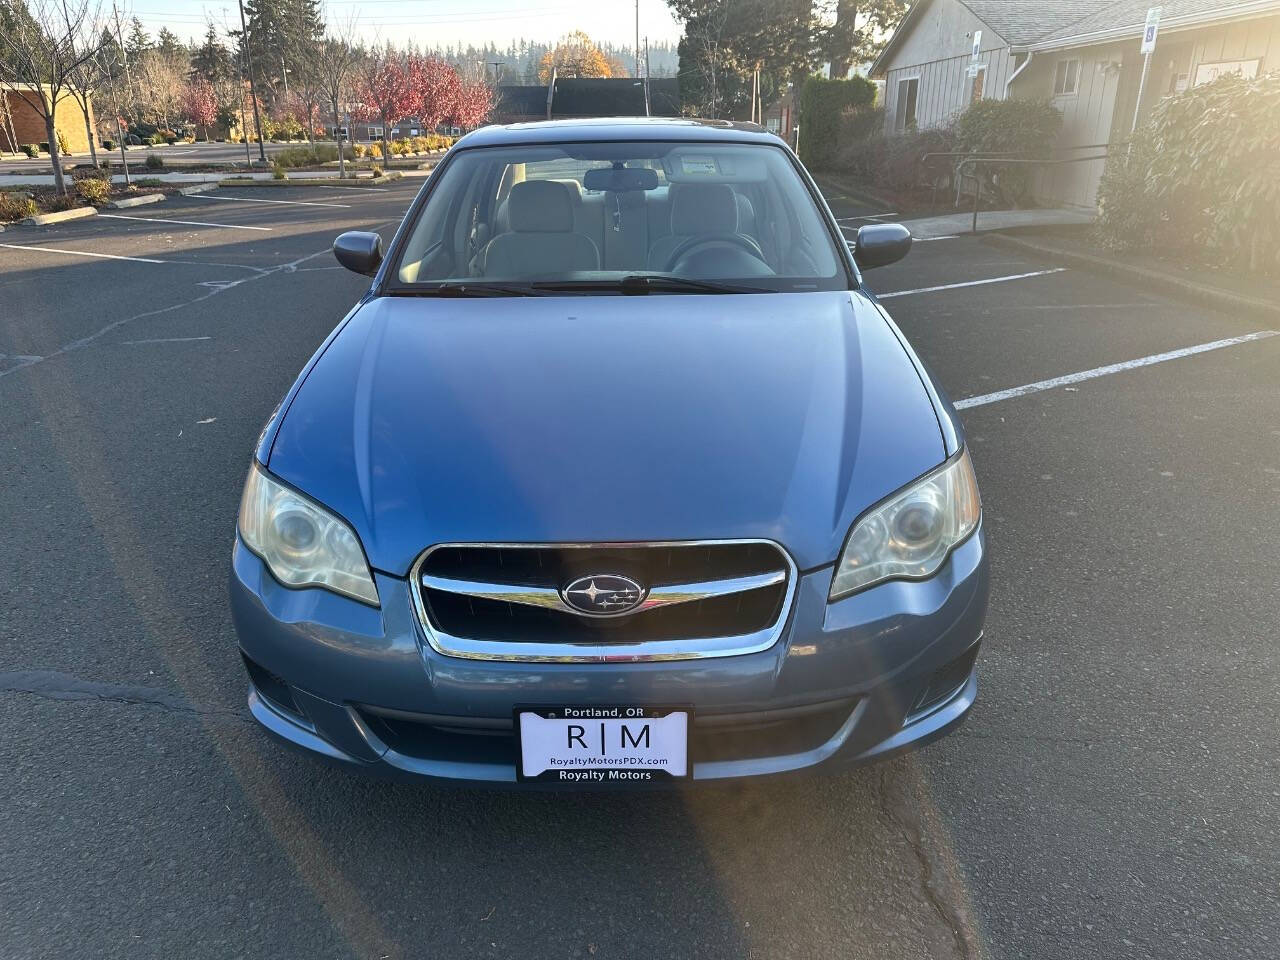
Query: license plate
{"x": 610, "y": 746}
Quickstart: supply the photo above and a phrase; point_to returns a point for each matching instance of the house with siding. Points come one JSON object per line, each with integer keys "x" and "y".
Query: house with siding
{"x": 1082, "y": 54}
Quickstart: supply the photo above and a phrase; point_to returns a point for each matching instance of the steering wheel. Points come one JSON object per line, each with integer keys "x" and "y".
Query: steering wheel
{"x": 733, "y": 240}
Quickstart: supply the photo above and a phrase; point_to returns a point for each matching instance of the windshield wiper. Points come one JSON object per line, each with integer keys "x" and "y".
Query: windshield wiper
{"x": 643, "y": 283}
{"x": 468, "y": 289}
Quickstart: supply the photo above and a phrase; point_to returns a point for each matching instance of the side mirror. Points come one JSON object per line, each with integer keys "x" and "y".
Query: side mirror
{"x": 879, "y": 244}
{"x": 359, "y": 251}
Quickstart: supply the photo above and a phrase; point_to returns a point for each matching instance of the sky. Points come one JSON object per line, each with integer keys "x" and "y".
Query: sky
{"x": 439, "y": 23}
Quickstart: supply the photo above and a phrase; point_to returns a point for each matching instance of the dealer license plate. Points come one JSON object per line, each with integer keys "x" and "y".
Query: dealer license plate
{"x": 611, "y": 746}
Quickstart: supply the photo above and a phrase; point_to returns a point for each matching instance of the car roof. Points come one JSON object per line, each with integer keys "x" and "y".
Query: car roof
{"x": 596, "y": 129}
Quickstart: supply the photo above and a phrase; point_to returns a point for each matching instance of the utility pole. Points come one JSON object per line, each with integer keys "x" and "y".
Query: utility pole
{"x": 646, "y": 77}
{"x": 637, "y": 38}
{"x": 128, "y": 85}
{"x": 253, "y": 90}
{"x": 284, "y": 76}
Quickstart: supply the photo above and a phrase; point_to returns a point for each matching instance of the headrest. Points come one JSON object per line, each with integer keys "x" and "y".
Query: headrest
{"x": 703, "y": 208}
{"x": 540, "y": 206}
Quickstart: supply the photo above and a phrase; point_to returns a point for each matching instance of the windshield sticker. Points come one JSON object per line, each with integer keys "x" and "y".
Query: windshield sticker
{"x": 698, "y": 166}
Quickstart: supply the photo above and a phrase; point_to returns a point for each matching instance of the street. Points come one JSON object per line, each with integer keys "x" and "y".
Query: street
{"x": 1113, "y": 794}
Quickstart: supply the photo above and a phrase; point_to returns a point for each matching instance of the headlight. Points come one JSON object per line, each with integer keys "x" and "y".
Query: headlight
{"x": 911, "y": 534}
{"x": 302, "y": 544}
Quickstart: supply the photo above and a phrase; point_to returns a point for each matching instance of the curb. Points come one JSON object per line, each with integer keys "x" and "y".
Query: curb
{"x": 314, "y": 181}
{"x": 136, "y": 201}
{"x": 1144, "y": 276}
{"x": 198, "y": 188}
{"x": 75, "y": 213}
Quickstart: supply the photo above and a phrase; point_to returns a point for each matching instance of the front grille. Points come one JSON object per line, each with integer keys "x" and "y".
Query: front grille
{"x": 743, "y": 590}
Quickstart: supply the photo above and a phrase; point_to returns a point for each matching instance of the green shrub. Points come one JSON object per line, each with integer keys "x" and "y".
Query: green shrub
{"x": 307, "y": 156}
{"x": 90, "y": 173}
{"x": 359, "y": 149}
{"x": 154, "y": 161}
{"x": 1025, "y": 127}
{"x": 377, "y": 170}
{"x": 64, "y": 147}
{"x": 277, "y": 173}
{"x": 31, "y": 150}
{"x": 16, "y": 206}
{"x": 822, "y": 102}
{"x": 421, "y": 144}
{"x": 108, "y": 144}
{"x": 93, "y": 190}
{"x": 148, "y": 182}
{"x": 44, "y": 146}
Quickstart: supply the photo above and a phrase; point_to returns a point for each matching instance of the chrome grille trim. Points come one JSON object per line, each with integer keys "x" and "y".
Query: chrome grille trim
{"x": 548, "y": 597}
{"x": 469, "y": 648}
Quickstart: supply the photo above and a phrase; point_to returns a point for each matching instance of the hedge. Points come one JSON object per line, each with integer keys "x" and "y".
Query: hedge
{"x": 822, "y": 105}
{"x": 1202, "y": 173}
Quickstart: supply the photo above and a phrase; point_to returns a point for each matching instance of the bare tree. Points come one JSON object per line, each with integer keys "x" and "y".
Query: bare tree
{"x": 336, "y": 60}
{"x": 82, "y": 81}
{"x": 42, "y": 43}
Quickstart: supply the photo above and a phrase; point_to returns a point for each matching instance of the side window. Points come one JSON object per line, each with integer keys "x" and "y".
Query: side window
{"x": 1066, "y": 78}
{"x": 905, "y": 118}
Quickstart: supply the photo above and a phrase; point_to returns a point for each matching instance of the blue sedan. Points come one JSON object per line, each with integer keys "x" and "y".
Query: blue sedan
{"x": 617, "y": 475}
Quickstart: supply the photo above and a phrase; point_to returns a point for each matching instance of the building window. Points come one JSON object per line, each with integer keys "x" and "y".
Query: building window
{"x": 375, "y": 133}
{"x": 1066, "y": 78}
{"x": 977, "y": 83}
{"x": 905, "y": 118}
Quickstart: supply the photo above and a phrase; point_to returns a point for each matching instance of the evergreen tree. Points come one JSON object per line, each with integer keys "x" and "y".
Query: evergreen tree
{"x": 138, "y": 42}
{"x": 212, "y": 60}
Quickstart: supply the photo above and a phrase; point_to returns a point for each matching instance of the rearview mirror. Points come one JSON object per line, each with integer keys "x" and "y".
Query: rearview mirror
{"x": 879, "y": 244}
{"x": 359, "y": 251}
{"x": 620, "y": 179}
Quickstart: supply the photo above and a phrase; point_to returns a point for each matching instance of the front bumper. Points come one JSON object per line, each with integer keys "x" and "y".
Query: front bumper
{"x": 881, "y": 671}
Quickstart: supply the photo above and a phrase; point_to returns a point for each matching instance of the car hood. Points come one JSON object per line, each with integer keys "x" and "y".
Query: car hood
{"x": 589, "y": 419}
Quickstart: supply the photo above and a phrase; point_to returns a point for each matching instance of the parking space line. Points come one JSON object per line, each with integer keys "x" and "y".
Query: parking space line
{"x": 1042, "y": 385}
{"x": 80, "y": 253}
{"x": 133, "y": 343}
{"x": 970, "y": 283}
{"x": 952, "y": 236}
{"x": 186, "y": 223}
{"x": 293, "y": 203}
{"x": 869, "y": 216}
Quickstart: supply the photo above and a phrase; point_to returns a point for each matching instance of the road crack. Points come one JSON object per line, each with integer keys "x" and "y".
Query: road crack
{"x": 963, "y": 938}
{"x": 53, "y": 685}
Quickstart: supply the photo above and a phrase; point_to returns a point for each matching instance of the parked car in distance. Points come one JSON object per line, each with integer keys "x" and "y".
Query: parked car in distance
{"x": 617, "y": 475}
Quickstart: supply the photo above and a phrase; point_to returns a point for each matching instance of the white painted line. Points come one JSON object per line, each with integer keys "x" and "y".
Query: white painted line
{"x": 869, "y": 216}
{"x": 952, "y": 236}
{"x": 185, "y": 223}
{"x": 79, "y": 253}
{"x": 1092, "y": 306}
{"x": 969, "y": 283}
{"x": 165, "y": 340}
{"x": 1110, "y": 368}
{"x": 292, "y": 203}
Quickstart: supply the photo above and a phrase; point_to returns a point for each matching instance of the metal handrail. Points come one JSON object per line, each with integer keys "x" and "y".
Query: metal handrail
{"x": 969, "y": 155}
{"x": 977, "y": 193}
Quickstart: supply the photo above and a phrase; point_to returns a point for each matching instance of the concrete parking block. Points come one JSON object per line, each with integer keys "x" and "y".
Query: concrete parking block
{"x": 136, "y": 201}
{"x": 198, "y": 188}
{"x": 76, "y": 213}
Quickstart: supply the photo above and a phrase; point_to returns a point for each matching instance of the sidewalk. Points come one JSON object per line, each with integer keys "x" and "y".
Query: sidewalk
{"x": 990, "y": 221}
{"x": 46, "y": 179}
{"x": 1213, "y": 287}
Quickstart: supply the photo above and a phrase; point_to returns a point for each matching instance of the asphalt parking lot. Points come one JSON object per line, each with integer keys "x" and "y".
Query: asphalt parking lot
{"x": 1113, "y": 795}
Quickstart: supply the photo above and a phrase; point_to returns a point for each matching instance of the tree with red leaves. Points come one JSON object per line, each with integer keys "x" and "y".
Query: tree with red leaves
{"x": 385, "y": 91}
{"x": 474, "y": 104}
{"x": 437, "y": 89}
{"x": 200, "y": 104}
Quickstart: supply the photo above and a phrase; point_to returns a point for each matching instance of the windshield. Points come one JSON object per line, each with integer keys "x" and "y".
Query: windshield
{"x": 702, "y": 216}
